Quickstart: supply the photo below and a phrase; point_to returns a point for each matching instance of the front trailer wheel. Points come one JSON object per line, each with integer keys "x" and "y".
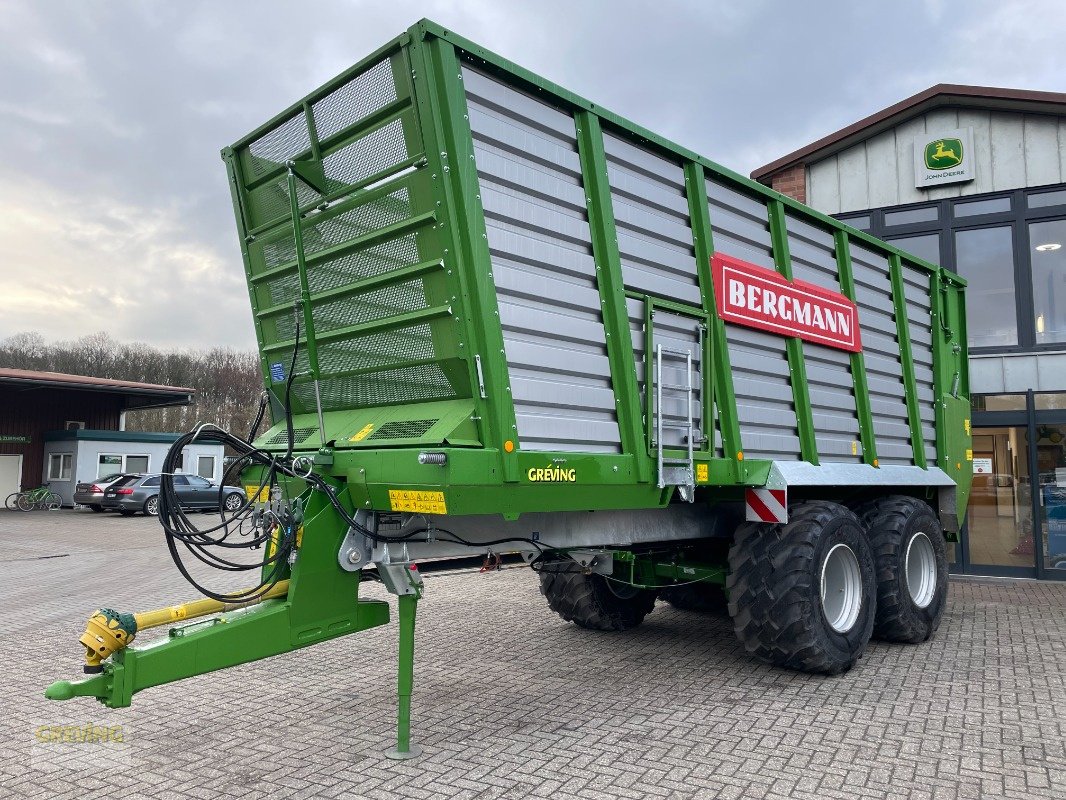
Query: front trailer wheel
{"x": 912, "y": 567}
{"x": 802, "y": 594}
{"x": 593, "y": 601}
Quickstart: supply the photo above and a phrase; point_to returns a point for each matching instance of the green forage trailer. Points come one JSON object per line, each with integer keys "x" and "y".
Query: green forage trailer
{"x": 494, "y": 317}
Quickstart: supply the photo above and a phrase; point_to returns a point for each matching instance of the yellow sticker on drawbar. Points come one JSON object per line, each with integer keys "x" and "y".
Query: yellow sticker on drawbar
{"x": 362, "y": 433}
{"x": 969, "y": 455}
{"x": 420, "y": 502}
{"x": 257, "y": 494}
{"x": 702, "y": 473}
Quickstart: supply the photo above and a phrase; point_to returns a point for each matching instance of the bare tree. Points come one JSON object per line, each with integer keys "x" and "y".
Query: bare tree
{"x": 227, "y": 384}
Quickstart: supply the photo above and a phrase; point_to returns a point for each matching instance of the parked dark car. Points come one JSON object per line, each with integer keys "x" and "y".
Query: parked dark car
{"x": 92, "y": 494}
{"x": 135, "y": 493}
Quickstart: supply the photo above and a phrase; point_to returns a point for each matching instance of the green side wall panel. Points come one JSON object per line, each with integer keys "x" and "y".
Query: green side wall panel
{"x": 396, "y": 284}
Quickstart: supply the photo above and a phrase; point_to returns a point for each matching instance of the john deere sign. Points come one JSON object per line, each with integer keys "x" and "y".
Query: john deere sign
{"x": 943, "y": 157}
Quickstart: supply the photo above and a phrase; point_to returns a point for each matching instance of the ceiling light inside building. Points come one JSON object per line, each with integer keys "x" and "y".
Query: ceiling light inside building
{"x": 1044, "y": 248}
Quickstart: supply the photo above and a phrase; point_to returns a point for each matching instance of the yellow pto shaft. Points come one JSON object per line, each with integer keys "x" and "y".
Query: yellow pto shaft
{"x": 108, "y": 631}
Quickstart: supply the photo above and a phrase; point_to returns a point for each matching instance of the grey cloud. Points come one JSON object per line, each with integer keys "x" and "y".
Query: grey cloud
{"x": 112, "y": 114}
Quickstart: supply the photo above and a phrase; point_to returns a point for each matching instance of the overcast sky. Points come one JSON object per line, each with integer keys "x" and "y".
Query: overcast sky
{"x": 114, "y": 209}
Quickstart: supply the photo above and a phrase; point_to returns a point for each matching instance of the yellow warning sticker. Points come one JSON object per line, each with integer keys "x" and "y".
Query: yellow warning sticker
{"x": 702, "y": 473}
{"x": 257, "y": 493}
{"x": 420, "y": 502}
{"x": 966, "y": 425}
{"x": 969, "y": 455}
{"x": 363, "y": 433}
{"x": 854, "y": 447}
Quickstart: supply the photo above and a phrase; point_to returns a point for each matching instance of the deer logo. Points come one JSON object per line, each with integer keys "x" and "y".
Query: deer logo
{"x": 943, "y": 154}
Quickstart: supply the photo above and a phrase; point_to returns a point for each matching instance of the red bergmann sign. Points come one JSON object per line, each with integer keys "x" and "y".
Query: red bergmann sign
{"x": 761, "y": 298}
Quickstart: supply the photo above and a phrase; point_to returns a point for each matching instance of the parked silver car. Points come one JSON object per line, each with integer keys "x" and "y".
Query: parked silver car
{"x": 135, "y": 493}
{"x": 92, "y": 494}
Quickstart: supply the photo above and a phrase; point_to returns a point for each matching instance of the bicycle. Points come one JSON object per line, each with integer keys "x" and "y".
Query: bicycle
{"x": 41, "y": 497}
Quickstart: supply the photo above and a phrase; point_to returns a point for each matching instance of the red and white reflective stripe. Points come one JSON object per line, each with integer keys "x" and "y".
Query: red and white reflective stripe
{"x": 766, "y": 505}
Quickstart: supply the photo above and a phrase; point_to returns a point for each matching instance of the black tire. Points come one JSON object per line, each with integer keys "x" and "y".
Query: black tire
{"x": 96, "y": 508}
{"x": 11, "y": 503}
{"x": 704, "y": 597}
{"x": 898, "y": 528}
{"x": 592, "y": 601}
{"x": 151, "y": 506}
{"x": 775, "y": 589}
{"x": 233, "y": 501}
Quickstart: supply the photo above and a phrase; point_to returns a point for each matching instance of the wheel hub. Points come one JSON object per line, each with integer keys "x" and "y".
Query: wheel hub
{"x": 920, "y": 565}
{"x": 841, "y": 588}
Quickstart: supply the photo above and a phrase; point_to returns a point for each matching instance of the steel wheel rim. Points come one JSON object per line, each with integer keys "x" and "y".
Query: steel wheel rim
{"x": 920, "y": 566}
{"x": 841, "y": 588}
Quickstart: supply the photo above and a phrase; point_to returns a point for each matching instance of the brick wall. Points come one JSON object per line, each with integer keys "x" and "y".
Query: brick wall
{"x": 791, "y": 181}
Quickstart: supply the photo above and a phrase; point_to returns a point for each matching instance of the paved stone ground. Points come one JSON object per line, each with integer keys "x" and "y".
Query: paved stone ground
{"x": 512, "y": 702}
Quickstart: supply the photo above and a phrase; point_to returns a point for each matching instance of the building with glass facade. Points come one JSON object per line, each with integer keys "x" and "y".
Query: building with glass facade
{"x": 975, "y": 178}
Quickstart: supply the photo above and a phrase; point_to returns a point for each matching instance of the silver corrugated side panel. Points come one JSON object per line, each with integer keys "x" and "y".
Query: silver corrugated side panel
{"x": 832, "y": 387}
{"x": 880, "y": 345}
{"x": 761, "y": 379}
{"x": 652, "y": 220}
{"x": 543, "y": 269}
{"x": 916, "y": 287}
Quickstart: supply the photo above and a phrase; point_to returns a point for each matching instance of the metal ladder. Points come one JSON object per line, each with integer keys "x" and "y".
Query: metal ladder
{"x": 677, "y": 472}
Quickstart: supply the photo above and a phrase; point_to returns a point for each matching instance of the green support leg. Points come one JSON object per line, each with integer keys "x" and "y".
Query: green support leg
{"x": 408, "y": 603}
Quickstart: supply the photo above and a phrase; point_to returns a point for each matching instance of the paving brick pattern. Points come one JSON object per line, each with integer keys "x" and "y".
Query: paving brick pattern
{"x": 512, "y": 702}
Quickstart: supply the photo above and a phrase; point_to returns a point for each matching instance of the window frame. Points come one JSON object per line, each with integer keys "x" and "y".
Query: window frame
{"x": 1018, "y": 218}
{"x": 120, "y": 467}
{"x": 70, "y": 467}
{"x": 147, "y": 462}
{"x": 214, "y": 466}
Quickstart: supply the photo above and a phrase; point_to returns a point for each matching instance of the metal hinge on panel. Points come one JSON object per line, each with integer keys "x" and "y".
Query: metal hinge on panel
{"x": 480, "y": 377}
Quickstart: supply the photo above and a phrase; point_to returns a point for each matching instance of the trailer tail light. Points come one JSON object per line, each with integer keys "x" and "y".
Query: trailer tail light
{"x": 124, "y": 491}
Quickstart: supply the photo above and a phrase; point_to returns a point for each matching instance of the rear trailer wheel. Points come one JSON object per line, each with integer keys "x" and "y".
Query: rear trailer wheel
{"x": 802, "y": 594}
{"x": 593, "y": 601}
{"x": 912, "y": 567}
{"x": 703, "y": 597}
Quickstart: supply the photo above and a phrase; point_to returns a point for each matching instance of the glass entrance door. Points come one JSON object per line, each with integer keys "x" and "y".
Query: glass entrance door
{"x": 1051, "y": 463}
{"x": 1000, "y": 516}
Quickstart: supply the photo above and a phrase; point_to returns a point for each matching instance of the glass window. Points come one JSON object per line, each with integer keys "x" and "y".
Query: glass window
{"x": 1045, "y": 199}
{"x": 985, "y": 258}
{"x": 180, "y": 480}
{"x": 153, "y": 481}
{"x": 862, "y": 223}
{"x": 911, "y": 216}
{"x": 1049, "y": 401}
{"x": 1048, "y": 254}
{"x": 59, "y": 466}
{"x": 136, "y": 463}
{"x": 1051, "y": 463}
{"x": 926, "y": 246}
{"x": 205, "y": 467}
{"x": 1000, "y": 512}
{"x": 108, "y": 464}
{"x": 998, "y": 402}
{"x": 197, "y": 482}
{"x": 996, "y": 205}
